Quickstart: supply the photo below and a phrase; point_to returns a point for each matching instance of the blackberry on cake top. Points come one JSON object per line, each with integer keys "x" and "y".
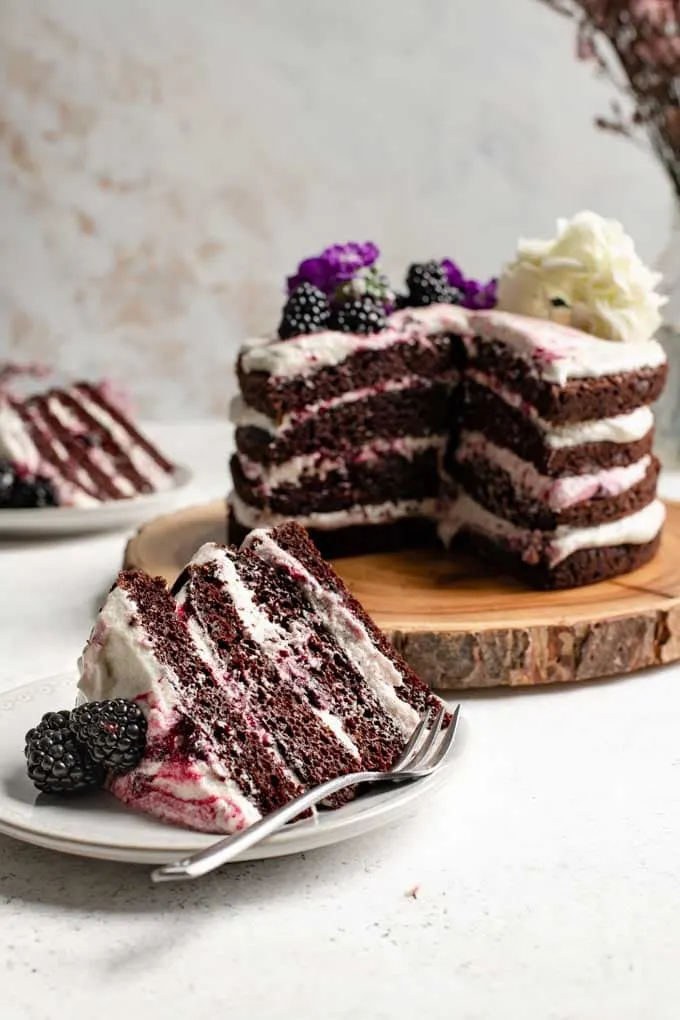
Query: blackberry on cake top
{"x": 441, "y": 281}
{"x": 343, "y": 288}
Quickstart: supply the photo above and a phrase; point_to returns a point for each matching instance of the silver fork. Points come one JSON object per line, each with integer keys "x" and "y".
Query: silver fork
{"x": 425, "y": 752}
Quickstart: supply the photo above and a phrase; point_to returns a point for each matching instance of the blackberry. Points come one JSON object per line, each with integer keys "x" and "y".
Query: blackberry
{"x": 56, "y": 762}
{"x": 33, "y": 493}
{"x": 362, "y": 315}
{"x": 428, "y": 285}
{"x": 113, "y": 732}
{"x": 8, "y": 479}
{"x": 307, "y": 310}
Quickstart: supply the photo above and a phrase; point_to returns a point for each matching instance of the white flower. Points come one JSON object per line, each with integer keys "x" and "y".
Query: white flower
{"x": 589, "y": 276}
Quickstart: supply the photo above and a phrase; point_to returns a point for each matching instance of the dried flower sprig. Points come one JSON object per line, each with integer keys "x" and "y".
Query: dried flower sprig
{"x": 636, "y": 45}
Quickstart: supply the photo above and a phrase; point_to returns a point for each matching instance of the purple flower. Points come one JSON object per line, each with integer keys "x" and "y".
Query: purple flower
{"x": 473, "y": 293}
{"x": 335, "y": 266}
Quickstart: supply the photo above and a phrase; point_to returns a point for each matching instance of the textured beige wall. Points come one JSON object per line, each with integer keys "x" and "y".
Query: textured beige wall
{"x": 164, "y": 163}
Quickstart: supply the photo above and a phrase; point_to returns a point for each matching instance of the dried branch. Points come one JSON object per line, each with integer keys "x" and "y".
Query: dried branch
{"x": 635, "y": 44}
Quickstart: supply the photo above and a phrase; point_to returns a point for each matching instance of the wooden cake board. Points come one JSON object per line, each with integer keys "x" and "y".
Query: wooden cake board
{"x": 460, "y": 625}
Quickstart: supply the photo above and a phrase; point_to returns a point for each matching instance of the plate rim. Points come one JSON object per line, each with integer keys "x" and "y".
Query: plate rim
{"x": 381, "y": 809}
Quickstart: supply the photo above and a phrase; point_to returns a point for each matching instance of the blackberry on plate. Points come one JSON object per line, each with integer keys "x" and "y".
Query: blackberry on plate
{"x": 33, "y": 493}
{"x": 307, "y": 310}
{"x": 362, "y": 315}
{"x": 113, "y": 732}
{"x": 428, "y": 285}
{"x": 56, "y": 762}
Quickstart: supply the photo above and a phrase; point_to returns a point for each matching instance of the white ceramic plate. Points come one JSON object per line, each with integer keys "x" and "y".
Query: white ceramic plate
{"x": 98, "y": 826}
{"x": 70, "y": 520}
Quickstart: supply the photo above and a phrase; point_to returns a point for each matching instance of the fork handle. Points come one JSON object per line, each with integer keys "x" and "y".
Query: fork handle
{"x": 226, "y": 849}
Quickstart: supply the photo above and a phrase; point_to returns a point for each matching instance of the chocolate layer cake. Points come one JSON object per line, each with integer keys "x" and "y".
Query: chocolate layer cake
{"x": 551, "y": 467}
{"x": 523, "y": 438}
{"x": 343, "y": 433}
{"x": 260, "y": 676}
{"x": 74, "y": 446}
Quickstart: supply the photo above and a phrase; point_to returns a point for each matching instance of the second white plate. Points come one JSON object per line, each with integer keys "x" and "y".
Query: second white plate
{"x": 98, "y": 826}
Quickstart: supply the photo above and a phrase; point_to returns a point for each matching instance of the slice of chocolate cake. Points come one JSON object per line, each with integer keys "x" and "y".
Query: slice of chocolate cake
{"x": 552, "y": 460}
{"x": 260, "y": 676}
{"x": 74, "y": 446}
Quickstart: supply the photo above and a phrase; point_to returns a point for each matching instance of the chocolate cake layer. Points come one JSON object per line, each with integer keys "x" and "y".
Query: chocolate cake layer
{"x": 494, "y": 489}
{"x": 576, "y": 400}
{"x": 587, "y": 566}
{"x": 388, "y": 479}
{"x": 429, "y": 357}
{"x": 483, "y": 411}
{"x": 358, "y": 539}
{"x": 424, "y": 410}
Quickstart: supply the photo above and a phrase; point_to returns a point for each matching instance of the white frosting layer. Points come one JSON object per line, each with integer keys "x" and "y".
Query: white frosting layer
{"x": 15, "y": 442}
{"x": 242, "y": 415}
{"x": 378, "y": 671}
{"x": 304, "y": 355}
{"x": 636, "y": 529}
{"x": 432, "y": 320}
{"x": 557, "y": 493}
{"x": 315, "y": 465}
{"x": 558, "y": 353}
{"x": 384, "y": 513}
{"x": 623, "y": 428}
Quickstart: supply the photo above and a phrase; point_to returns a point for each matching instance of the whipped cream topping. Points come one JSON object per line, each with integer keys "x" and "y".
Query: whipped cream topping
{"x": 432, "y": 320}
{"x": 591, "y": 266}
{"x": 622, "y": 428}
{"x": 558, "y": 353}
{"x": 464, "y": 514}
{"x": 318, "y": 466}
{"x": 383, "y": 513}
{"x": 557, "y": 493}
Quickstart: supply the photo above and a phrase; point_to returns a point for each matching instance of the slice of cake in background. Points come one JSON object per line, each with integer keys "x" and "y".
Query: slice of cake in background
{"x": 553, "y": 462}
{"x": 260, "y": 676}
{"x": 73, "y": 446}
{"x": 341, "y": 421}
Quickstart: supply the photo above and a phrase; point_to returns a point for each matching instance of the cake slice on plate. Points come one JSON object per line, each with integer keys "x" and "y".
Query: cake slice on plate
{"x": 259, "y": 675}
{"x": 553, "y": 467}
{"x": 74, "y": 446}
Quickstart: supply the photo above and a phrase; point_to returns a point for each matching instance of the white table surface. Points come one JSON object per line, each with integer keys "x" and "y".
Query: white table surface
{"x": 542, "y": 883}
